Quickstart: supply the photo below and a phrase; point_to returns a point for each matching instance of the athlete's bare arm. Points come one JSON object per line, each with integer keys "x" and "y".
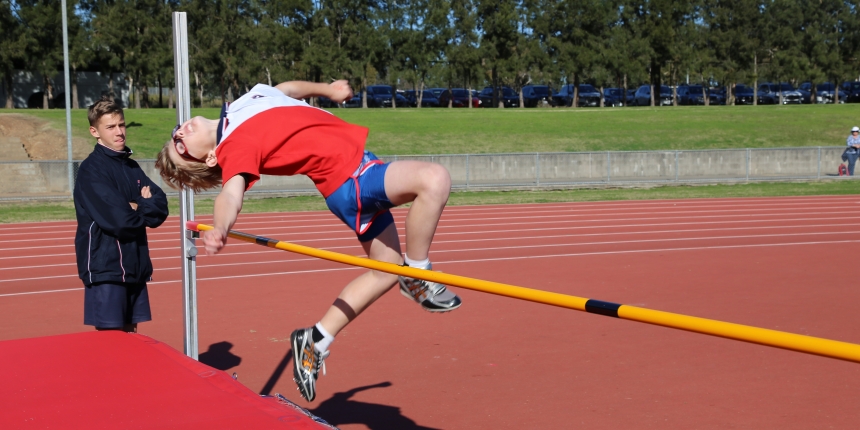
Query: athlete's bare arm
{"x": 228, "y": 204}
{"x": 337, "y": 91}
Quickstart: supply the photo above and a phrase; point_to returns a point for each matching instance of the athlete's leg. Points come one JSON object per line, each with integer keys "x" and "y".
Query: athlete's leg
{"x": 427, "y": 186}
{"x": 368, "y": 287}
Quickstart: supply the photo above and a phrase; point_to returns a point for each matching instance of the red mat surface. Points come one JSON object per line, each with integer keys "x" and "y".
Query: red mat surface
{"x": 118, "y": 380}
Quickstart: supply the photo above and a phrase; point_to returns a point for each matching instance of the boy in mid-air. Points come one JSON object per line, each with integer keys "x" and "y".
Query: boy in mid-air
{"x": 272, "y": 131}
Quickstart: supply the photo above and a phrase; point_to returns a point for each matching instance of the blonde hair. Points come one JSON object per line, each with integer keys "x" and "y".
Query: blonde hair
{"x": 196, "y": 176}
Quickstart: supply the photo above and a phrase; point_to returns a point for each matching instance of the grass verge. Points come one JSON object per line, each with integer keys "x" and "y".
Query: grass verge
{"x": 12, "y": 212}
{"x": 460, "y": 131}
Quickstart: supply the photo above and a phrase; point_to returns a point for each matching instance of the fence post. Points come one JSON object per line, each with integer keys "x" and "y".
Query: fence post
{"x": 608, "y": 166}
{"x": 748, "y": 164}
{"x": 676, "y": 166}
{"x": 467, "y": 171}
{"x": 537, "y": 169}
{"x": 819, "y": 162}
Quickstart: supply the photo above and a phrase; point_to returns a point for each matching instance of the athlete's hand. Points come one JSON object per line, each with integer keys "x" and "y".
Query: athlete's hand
{"x": 145, "y": 192}
{"x": 214, "y": 240}
{"x": 340, "y": 91}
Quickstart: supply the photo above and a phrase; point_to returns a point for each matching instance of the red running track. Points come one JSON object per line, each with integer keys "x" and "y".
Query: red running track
{"x": 780, "y": 263}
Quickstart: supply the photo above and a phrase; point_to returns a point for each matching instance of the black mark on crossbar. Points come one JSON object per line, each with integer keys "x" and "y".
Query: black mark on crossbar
{"x": 603, "y": 308}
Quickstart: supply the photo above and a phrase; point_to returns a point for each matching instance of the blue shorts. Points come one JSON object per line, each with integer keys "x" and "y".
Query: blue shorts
{"x": 361, "y": 202}
{"x": 109, "y": 305}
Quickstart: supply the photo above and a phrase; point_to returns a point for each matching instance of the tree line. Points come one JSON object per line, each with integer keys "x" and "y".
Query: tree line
{"x": 413, "y": 44}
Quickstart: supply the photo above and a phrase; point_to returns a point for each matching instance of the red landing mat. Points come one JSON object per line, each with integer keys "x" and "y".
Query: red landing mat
{"x": 116, "y": 380}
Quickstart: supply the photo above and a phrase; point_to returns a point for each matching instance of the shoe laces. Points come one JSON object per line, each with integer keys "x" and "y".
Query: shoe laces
{"x": 320, "y": 357}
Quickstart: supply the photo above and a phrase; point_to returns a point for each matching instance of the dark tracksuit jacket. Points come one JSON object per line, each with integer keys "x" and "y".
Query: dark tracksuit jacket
{"x": 110, "y": 241}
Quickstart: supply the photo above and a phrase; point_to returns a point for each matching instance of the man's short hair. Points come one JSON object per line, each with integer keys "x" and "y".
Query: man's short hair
{"x": 104, "y": 106}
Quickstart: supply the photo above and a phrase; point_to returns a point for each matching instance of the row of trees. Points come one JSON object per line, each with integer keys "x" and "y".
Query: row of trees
{"x": 454, "y": 43}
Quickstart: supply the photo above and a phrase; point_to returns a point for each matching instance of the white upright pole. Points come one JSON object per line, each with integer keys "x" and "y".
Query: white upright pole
{"x": 186, "y": 197}
{"x": 68, "y": 98}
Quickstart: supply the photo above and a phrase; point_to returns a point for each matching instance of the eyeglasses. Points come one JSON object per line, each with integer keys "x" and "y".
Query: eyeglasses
{"x": 184, "y": 153}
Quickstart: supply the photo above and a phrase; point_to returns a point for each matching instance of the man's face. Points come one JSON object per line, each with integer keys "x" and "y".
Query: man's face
{"x": 110, "y": 131}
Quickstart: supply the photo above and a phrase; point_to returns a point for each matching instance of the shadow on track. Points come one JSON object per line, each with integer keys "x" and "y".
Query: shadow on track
{"x": 220, "y": 357}
{"x": 339, "y": 410}
{"x": 276, "y": 375}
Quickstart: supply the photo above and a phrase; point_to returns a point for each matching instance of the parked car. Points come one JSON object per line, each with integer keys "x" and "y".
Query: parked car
{"x": 769, "y": 93}
{"x": 459, "y": 98}
{"x": 437, "y": 91}
{"x": 643, "y": 96}
{"x": 613, "y": 97}
{"x": 381, "y": 95}
{"x": 428, "y": 99}
{"x": 325, "y": 102}
{"x": 507, "y": 96}
{"x": 743, "y": 95}
{"x": 587, "y": 94}
{"x": 535, "y": 95}
{"x": 692, "y": 95}
{"x": 852, "y": 91}
{"x": 825, "y": 93}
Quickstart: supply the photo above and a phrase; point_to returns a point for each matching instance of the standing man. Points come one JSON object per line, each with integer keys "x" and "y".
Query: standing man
{"x": 114, "y": 203}
{"x": 853, "y": 150}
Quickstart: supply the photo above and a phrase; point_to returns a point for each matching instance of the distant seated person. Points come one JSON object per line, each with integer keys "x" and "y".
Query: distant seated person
{"x": 853, "y": 150}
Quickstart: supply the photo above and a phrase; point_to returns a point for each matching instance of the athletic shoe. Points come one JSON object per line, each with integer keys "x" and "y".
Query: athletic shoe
{"x": 432, "y": 296}
{"x": 306, "y": 363}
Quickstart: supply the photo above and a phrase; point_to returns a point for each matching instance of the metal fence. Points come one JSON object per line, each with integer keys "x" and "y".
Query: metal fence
{"x": 49, "y": 179}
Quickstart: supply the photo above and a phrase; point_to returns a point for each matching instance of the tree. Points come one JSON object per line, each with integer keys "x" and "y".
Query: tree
{"x": 10, "y": 47}
{"x": 41, "y": 42}
{"x": 497, "y": 22}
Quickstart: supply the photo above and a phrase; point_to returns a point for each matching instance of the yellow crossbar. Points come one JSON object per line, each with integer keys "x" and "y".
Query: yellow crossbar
{"x": 779, "y": 339}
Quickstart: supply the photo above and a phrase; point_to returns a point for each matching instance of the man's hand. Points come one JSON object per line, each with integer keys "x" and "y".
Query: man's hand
{"x": 133, "y": 206}
{"x": 214, "y": 240}
{"x": 340, "y": 91}
{"x": 145, "y": 193}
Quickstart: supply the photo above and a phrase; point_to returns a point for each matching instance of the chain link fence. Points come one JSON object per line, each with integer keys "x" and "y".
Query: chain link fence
{"x": 44, "y": 180}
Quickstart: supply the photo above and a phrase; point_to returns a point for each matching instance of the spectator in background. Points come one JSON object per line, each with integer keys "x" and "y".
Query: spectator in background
{"x": 114, "y": 203}
{"x": 853, "y": 150}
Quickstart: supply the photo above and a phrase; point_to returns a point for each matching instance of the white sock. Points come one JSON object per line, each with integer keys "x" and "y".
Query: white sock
{"x": 421, "y": 264}
{"x": 322, "y": 346}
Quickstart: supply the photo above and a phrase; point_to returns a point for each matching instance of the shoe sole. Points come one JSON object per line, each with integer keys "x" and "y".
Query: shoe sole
{"x": 435, "y": 311}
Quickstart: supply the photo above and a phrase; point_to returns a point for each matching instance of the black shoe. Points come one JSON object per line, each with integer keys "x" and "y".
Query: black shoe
{"x": 306, "y": 363}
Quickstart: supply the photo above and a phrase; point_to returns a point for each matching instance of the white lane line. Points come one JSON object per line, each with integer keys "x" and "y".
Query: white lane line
{"x": 491, "y": 239}
{"x": 580, "y": 254}
{"x": 479, "y": 209}
{"x": 499, "y": 248}
{"x": 474, "y": 232}
{"x": 484, "y": 224}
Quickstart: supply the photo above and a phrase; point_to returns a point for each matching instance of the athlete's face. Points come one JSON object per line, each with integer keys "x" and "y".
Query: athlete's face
{"x": 192, "y": 142}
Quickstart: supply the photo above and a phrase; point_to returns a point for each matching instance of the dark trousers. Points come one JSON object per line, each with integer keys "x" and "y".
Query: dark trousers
{"x": 852, "y": 160}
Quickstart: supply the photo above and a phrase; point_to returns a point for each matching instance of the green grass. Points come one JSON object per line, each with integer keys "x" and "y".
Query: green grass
{"x": 55, "y": 211}
{"x": 459, "y": 131}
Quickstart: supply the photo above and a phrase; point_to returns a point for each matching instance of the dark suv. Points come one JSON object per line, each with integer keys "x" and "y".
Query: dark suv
{"x": 643, "y": 96}
{"x": 588, "y": 96}
{"x": 380, "y": 96}
{"x": 852, "y": 91}
{"x": 428, "y": 99}
{"x": 534, "y": 95}
{"x": 507, "y": 96}
{"x": 769, "y": 94}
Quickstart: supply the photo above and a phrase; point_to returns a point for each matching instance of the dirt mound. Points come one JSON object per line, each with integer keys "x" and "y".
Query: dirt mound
{"x": 40, "y": 139}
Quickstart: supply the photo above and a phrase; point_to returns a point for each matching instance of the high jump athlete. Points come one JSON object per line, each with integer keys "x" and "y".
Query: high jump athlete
{"x": 270, "y": 130}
